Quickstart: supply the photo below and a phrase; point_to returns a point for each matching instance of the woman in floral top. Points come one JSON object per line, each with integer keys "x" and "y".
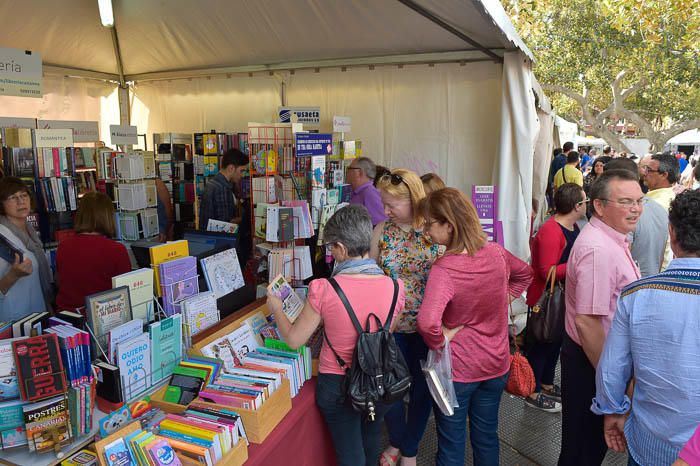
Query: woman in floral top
{"x": 403, "y": 251}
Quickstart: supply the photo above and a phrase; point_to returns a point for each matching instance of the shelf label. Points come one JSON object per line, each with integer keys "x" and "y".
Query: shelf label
{"x": 54, "y": 137}
{"x": 123, "y": 134}
{"x": 83, "y": 131}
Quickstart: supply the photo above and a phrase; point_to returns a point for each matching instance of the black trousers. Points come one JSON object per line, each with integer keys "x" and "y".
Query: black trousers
{"x": 582, "y": 440}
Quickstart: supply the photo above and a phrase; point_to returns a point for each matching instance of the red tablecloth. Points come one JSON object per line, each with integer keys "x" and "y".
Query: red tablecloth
{"x": 301, "y": 439}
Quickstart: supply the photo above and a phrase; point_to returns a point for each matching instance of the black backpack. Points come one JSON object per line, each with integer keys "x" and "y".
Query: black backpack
{"x": 379, "y": 374}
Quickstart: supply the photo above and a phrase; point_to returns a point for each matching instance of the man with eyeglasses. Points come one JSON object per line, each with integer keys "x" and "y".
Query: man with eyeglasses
{"x": 600, "y": 265}
{"x": 661, "y": 173}
{"x": 360, "y": 175}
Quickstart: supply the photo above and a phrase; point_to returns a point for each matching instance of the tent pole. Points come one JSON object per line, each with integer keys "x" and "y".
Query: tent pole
{"x": 449, "y": 28}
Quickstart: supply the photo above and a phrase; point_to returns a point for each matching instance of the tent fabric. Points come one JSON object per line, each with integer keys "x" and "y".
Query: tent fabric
{"x": 513, "y": 174}
{"x": 182, "y": 34}
{"x": 441, "y": 119}
{"x": 544, "y": 147}
{"x": 690, "y": 138}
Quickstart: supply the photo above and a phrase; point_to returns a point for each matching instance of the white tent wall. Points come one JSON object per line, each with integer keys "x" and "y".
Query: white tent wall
{"x": 201, "y": 104}
{"x": 514, "y": 168}
{"x": 68, "y": 98}
{"x": 441, "y": 119}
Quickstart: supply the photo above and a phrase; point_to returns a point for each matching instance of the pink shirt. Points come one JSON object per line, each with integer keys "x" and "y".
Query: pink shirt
{"x": 600, "y": 265}
{"x": 472, "y": 291}
{"x": 691, "y": 451}
{"x": 366, "y": 295}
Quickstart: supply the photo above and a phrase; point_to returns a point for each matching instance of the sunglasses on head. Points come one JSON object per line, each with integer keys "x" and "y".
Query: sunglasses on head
{"x": 396, "y": 180}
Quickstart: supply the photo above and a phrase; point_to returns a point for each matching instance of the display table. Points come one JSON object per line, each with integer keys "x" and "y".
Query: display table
{"x": 300, "y": 439}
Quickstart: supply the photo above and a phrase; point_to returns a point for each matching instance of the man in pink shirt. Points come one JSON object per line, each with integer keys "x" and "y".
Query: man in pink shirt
{"x": 600, "y": 265}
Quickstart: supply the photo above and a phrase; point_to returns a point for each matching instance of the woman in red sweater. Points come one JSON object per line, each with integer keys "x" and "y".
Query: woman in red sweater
{"x": 549, "y": 248}
{"x": 468, "y": 292}
{"x": 86, "y": 262}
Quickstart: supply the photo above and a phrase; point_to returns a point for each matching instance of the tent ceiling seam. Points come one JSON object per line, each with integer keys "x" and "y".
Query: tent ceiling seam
{"x": 118, "y": 56}
{"x": 449, "y": 28}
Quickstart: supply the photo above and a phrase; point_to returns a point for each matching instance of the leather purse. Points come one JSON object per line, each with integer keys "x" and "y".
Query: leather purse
{"x": 545, "y": 323}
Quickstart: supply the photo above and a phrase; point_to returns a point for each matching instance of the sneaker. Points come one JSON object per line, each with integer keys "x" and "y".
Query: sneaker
{"x": 553, "y": 393}
{"x": 543, "y": 403}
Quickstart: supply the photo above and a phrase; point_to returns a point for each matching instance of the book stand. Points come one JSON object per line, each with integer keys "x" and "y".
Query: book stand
{"x": 177, "y": 301}
{"x": 146, "y": 380}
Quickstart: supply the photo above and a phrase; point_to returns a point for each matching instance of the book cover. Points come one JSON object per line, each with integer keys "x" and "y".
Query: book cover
{"x": 291, "y": 303}
{"x": 222, "y": 272}
{"x": 178, "y": 279}
{"x": 121, "y": 333}
{"x": 9, "y": 387}
{"x": 140, "y": 283}
{"x": 117, "y": 454}
{"x": 163, "y": 454}
{"x": 261, "y": 218}
{"x": 285, "y": 224}
{"x": 82, "y": 458}
{"x": 39, "y": 367}
{"x": 256, "y": 321}
{"x": 12, "y": 433}
{"x": 318, "y": 200}
{"x": 42, "y": 418}
{"x": 222, "y": 349}
{"x": 165, "y": 252}
{"x": 105, "y": 311}
{"x": 134, "y": 361}
{"x": 318, "y": 171}
{"x": 242, "y": 342}
{"x": 166, "y": 346}
{"x": 200, "y": 312}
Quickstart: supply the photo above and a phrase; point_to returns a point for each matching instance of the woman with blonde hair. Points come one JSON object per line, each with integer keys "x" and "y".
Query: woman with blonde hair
{"x": 403, "y": 251}
{"x": 432, "y": 182}
{"x": 466, "y": 301}
{"x": 87, "y": 261}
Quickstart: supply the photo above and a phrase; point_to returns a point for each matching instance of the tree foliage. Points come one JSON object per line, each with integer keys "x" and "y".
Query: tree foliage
{"x": 607, "y": 60}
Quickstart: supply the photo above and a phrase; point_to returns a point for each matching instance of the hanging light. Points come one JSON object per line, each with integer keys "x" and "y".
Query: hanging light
{"x": 106, "y": 13}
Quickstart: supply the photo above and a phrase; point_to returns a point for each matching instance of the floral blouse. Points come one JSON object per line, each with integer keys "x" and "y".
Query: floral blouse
{"x": 407, "y": 255}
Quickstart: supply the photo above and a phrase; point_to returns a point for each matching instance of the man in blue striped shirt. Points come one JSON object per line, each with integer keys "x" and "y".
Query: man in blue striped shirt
{"x": 656, "y": 337}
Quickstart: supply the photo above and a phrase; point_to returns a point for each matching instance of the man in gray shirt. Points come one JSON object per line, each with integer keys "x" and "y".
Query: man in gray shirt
{"x": 649, "y": 238}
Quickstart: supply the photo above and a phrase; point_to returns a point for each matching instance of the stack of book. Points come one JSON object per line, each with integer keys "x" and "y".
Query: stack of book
{"x": 81, "y": 404}
{"x": 189, "y": 377}
{"x": 294, "y": 263}
{"x": 75, "y": 352}
{"x": 163, "y": 253}
{"x": 140, "y": 448}
{"x": 58, "y": 194}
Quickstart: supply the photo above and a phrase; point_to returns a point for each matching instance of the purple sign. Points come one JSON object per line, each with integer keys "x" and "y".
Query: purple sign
{"x": 485, "y": 200}
{"x": 313, "y": 144}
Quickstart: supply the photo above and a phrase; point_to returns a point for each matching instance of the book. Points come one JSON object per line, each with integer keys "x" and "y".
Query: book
{"x": 256, "y": 321}
{"x": 9, "y": 387}
{"x": 134, "y": 361}
{"x": 199, "y": 312}
{"x": 222, "y": 349}
{"x": 165, "y": 252}
{"x": 39, "y": 368}
{"x": 9, "y": 252}
{"x": 437, "y": 390}
{"x": 166, "y": 346}
{"x": 179, "y": 280}
{"x": 318, "y": 200}
{"x": 292, "y": 305}
{"x": 222, "y": 272}
{"x": 117, "y": 454}
{"x": 121, "y": 333}
{"x": 109, "y": 384}
{"x": 318, "y": 171}
{"x": 220, "y": 226}
{"x": 12, "y": 433}
{"x": 82, "y": 458}
{"x": 105, "y": 311}
{"x": 163, "y": 454}
{"x": 261, "y": 218}
{"x": 42, "y": 419}
{"x": 242, "y": 342}
{"x": 140, "y": 283}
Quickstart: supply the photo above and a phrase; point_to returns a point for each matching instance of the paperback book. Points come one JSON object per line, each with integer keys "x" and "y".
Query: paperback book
{"x": 105, "y": 311}
{"x": 166, "y": 346}
{"x": 222, "y": 272}
{"x": 140, "y": 283}
{"x": 134, "y": 361}
{"x": 39, "y": 367}
{"x": 292, "y": 305}
{"x": 178, "y": 279}
{"x": 43, "y": 419}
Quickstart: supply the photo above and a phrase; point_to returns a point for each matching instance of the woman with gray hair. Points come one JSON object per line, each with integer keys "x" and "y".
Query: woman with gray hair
{"x": 357, "y": 440}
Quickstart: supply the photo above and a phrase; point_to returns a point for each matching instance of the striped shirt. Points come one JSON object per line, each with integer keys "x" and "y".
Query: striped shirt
{"x": 655, "y": 336}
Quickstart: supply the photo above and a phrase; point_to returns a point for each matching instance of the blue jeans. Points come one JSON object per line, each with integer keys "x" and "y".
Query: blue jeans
{"x": 479, "y": 402}
{"x": 406, "y": 428}
{"x": 356, "y": 440}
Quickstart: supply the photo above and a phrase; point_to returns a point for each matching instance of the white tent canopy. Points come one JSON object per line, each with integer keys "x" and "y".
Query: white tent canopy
{"x": 425, "y": 81}
{"x": 688, "y": 138}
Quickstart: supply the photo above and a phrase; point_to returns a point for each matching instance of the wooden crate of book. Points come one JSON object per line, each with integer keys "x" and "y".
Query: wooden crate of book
{"x": 261, "y": 422}
{"x": 258, "y": 423}
{"x": 236, "y": 457}
{"x": 158, "y": 401}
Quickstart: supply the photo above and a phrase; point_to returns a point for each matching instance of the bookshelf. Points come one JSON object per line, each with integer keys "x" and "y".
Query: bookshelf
{"x": 136, "y": 195}
{"x": 175, "y": 166}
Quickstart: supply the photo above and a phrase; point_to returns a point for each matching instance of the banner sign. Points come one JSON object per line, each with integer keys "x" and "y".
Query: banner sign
{"x": 309, "y": 116}
{"x": 342, "y": 124}
{"x": 20, "y": 73}
{"x": 83, "y": 131}
{"x": 485, "y": 200}
{"x": 54, "y": 137}
{"x": 11, "y": 122}
{"x": 123, "y": 134}
{"x": 313, "y": 144}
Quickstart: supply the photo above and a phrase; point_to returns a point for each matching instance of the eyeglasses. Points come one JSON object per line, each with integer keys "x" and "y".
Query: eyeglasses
{"x": 396, "y": 180}
{"x": 354, "y": 168}
{"x": 629, "y": 203}
{"x": 649, "y": 170}
{"x": 22, "y": 197}
{"x": 583, "y": 201}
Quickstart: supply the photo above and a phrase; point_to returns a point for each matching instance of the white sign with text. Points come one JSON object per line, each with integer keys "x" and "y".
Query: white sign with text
{"x": 20, "y": 73}
{"x": 83, "y": 131}
{"x": 54, "y": 137}
{"x": 123, "y": 134}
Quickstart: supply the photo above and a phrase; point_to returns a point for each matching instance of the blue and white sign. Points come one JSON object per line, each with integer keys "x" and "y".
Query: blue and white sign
{"x": 313, "y": 144}
{"x": 309, "y": 116}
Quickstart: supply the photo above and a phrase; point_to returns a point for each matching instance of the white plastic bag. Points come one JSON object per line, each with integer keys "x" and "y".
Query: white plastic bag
{"x": 438, "y": 374}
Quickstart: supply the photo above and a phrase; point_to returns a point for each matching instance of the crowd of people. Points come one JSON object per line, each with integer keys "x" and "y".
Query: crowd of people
{"x": 623, "y": 240}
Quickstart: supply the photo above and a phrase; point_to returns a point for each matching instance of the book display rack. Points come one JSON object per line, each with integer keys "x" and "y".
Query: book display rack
{"x": 136, "y": 195}
{"x": 175, "y": 166}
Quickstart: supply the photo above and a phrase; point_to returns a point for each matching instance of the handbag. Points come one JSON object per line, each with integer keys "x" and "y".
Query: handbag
{"x": 521, "y": 380}
{"x": 545, "y": 322}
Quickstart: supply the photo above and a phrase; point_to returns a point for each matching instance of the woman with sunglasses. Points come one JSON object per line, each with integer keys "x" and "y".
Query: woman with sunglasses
{"x": 466, "y": 301}
{"x": 403, "y": 251}
{"x": 25, "y": 279}
{"x": 550, "y": 248}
